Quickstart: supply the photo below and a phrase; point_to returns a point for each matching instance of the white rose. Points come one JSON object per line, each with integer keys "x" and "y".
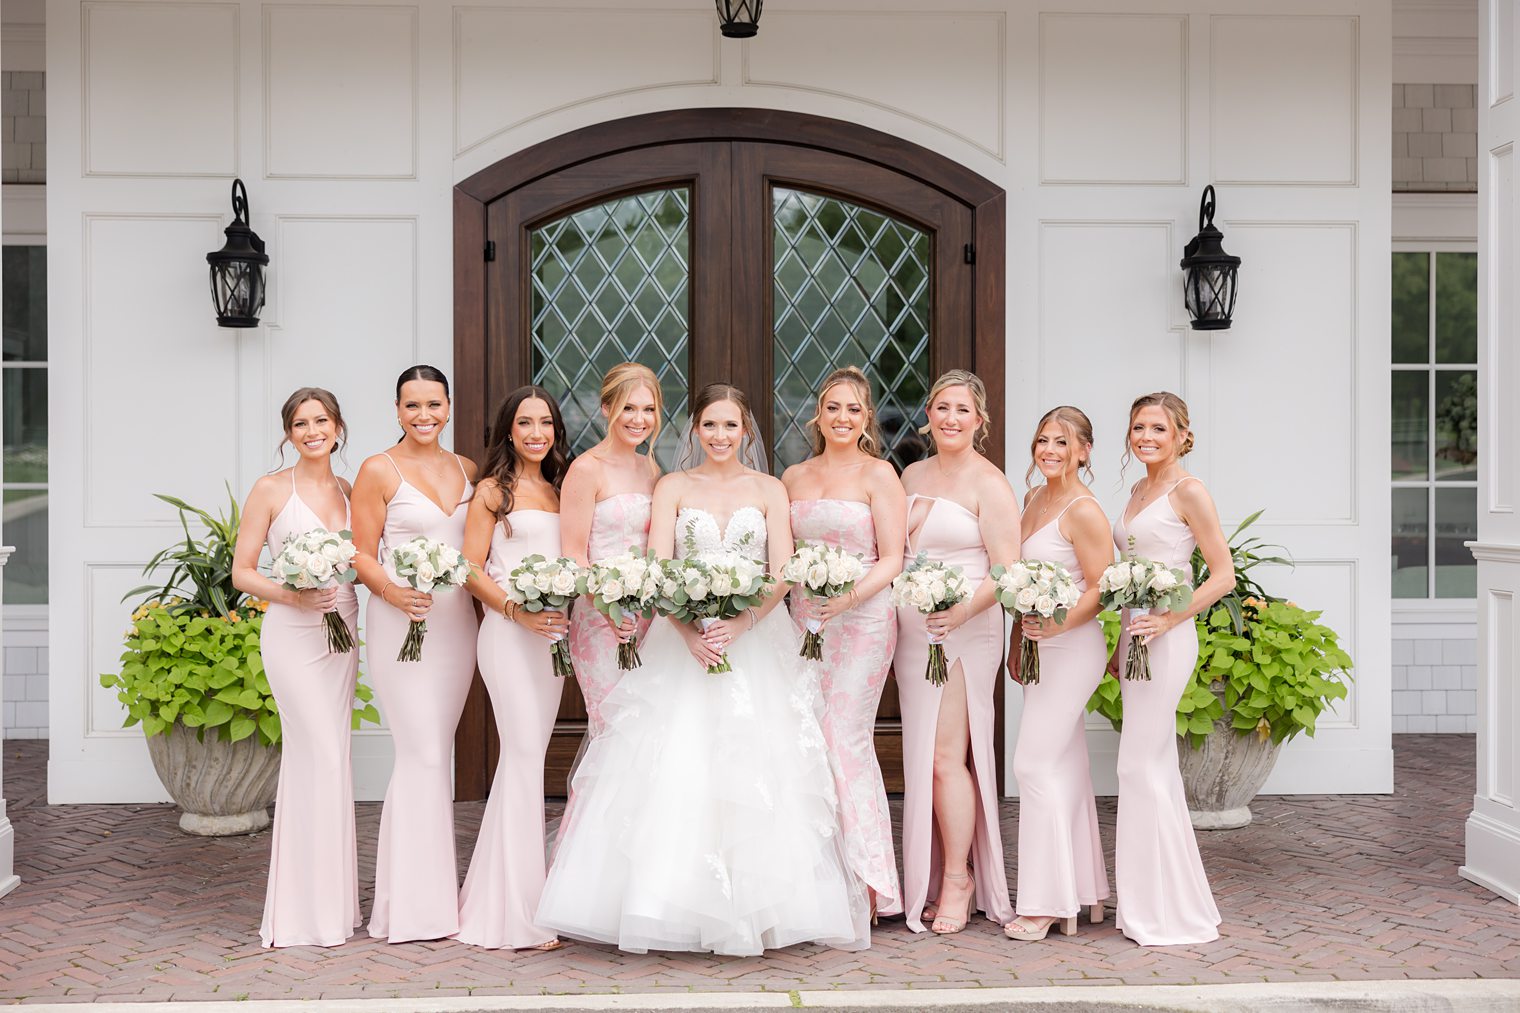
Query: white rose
{"x": 1025, "y": 599}
{"x": 333, "y": 552}
{"x": 1018, "y": 577}
{"x": 817, "y": 575}
{"x": 563, "y": 582}
{"x": 1163, "y": 581}
{"x": 612, "y": 590}
{"x": 1045, "y": 605}
{"x": 1117, "y": 577}
{"x": 542, "y": 583}
{"x": 524, "y": 582}
{"x": 320, "y": 568}
{"x": 298, "y": 557}
{"x": 425, "y": 570}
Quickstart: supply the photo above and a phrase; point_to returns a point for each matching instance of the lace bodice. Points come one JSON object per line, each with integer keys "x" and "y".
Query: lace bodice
{"x": 698, "y": 535}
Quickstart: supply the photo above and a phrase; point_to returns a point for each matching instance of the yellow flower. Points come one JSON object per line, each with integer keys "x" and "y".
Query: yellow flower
{"x": 233, "y": 618}
{"x": 1263, "y": 730}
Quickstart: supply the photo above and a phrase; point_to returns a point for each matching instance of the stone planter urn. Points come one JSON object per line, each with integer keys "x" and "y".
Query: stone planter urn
{"x": 223, "y": 787}
{"x": 1223, "y": 775}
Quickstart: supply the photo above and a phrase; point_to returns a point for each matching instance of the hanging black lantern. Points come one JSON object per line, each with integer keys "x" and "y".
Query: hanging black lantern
{"x": 1209, "y": 273}
{"x": 237, "y": 269}
{"x": 739, "y": 19}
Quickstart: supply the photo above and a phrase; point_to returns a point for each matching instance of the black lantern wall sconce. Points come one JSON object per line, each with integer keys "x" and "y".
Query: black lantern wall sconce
{"x": 237, "y": 269}
{"x": 1208, "y": 273}
{"x": 739, "y": 19}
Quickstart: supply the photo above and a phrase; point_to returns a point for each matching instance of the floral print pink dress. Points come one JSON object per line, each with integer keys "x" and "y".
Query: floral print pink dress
{"x": 857, "y": 658}
{"x": 617, "y": 523}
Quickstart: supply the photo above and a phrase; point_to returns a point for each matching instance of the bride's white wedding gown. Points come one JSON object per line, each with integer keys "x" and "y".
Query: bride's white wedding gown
{"x": 705, "y": 814}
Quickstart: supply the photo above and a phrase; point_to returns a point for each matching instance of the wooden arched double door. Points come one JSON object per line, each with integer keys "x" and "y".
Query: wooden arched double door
{"x": 753, "y": 246}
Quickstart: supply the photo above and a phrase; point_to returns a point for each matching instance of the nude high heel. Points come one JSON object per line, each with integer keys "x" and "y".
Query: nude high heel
{"x": 1095, "y": 912}
{"x": 1033, "y": 928}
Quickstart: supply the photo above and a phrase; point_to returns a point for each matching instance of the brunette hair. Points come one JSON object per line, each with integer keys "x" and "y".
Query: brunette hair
{"x": 1176, "y": 410}
{"x": 1078, "y": 428}
{"x": 973, "y": 383}
{"x": 618, "y": 386}
{"x": 329, "y": 403}
{"x": 420, "y": 372}
{"x": 503, "y": 462}
{"x": 705, "y": 399}
{"x": 869, "y": 441}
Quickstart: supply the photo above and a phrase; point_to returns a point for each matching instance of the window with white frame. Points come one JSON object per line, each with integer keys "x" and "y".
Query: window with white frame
{"x": 23, "y": 371}
{"x": 1434, "y": 421}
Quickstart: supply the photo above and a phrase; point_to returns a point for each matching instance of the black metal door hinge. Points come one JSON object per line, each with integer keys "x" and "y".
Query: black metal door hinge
{"x": 490, "y": 249}
{"x": 969, "y": 252}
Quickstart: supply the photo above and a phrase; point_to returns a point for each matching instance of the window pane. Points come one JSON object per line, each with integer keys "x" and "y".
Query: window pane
{"x": 26, "y": 524}
{"x": 1411, "y": 307}
{"x": 1411, "y": 422}
{"x": 25, "y": 309}
{"x": 1457, "y": 425}
{"x": 1456, "y": 307}
{"x": 610, "y": 286}
{"x": 1456, "y": 522}
{"x": 1411, "y": 518}
{"x": 25, "y": 428}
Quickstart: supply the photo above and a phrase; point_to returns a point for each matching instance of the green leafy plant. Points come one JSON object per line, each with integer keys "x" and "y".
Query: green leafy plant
{"x": 1264, "y": 663}
{"x": 192, "y": 652}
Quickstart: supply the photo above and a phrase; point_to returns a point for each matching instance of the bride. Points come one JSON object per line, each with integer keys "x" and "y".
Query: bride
{"x": 705, "y": 814}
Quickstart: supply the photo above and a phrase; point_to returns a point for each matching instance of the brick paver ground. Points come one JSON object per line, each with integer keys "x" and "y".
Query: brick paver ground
{"x": 116, "y": 903}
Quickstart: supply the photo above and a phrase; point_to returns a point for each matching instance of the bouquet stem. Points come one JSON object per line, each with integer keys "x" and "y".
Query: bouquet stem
{"x": 1029, "y": 662}
{"x": 339, "y": 638}
{"x": 628, "y": 655}
{"x": 411, "y": 647}
{"x": 560, "y": 655}
{"x": 1138, "y": 664}
{"x": 938, "y": 672}
{"x": 812, "y": 642}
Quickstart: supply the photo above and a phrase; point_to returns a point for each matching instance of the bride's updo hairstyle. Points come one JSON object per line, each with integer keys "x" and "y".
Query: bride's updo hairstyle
{"x": 618, "y": 386}
{"x": 329, "y": 404}
{"x": 973, "y": 383}
{"x": 869, "y": 441}
{"x": 1079, "y": 433}
{"x": 1176, "y": 410}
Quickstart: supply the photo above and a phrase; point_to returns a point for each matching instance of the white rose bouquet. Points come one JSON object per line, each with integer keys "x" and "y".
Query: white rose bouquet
{"x": 319, "y": 558}
{"x": 539, "y": 585}
{"x": 623, "y": 585}
{"x": 1141, "y": 585}
{"x": 930, "y": 586}
{"x": 710, "y": 589}
{"x": 1034, "y": 587}
{"x": 429, "y": 566}
{"x": 821, "y": 571}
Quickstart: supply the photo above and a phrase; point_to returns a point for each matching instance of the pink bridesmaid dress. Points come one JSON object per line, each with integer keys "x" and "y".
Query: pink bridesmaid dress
{"x": 617, "y": 523}
{"x": 857, "y": 657}
{"x": 1061, "y": 867}
{"x": 949, "y": 532}
{"x": 1164, "y": 896}
{"x": 313, "y": 894}
{"x": 500, "y": 895}
{"x": 416, "y": 877}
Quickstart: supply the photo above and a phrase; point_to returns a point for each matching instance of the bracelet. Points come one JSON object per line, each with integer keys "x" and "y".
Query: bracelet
{"x": 753, "y": 616}
{"x": 854, "y": 597}
{"x": 509, "y": 610}
{"x": 388, "y": 585}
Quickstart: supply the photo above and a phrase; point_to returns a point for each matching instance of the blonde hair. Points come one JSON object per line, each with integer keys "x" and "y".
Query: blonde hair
{"x": 1078, "y": 428}
{"x": 618, "y": 386}
{"x": 869, "y": 441}
{"x": 973, "y": 383}
{"x": 1176, "y": 410}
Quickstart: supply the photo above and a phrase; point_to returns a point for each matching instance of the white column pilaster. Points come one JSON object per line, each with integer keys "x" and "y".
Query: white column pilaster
{"x": 8, "y": 878}
{"x": 1493, "y": 829}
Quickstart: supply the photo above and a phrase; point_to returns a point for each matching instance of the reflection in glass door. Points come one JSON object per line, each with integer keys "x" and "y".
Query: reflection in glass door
{"x": 851, "y": 288}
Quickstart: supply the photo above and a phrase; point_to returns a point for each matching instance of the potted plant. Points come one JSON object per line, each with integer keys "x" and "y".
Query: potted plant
{"x": 1266, "y": 670}
{"x": 192, "y": 676}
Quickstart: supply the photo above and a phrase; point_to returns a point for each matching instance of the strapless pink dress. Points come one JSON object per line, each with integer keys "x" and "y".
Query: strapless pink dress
{"x": 313, "y": 893}
{"x": 857, "y": 658}
{"x": 949, "y": 533}
{"x": 500, "y": 896}
{"x": 416, "y": 876}
{"x": 1164, "y": 895}
{"x": 617, "y": 523}
{"x": 1061, "y": 867}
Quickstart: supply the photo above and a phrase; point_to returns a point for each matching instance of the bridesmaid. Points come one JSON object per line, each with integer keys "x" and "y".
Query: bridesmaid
{"x": 515, "y": 513}
{"x": 845, "y": 495}
{"x": 1061, "y": 866}
{"x": 950, "y": 810}
{"x": 606, "y": 498}
{"x": 416, "y": 488}
{"x": 1164, "y": 896}
{"x": 313, "y": 893}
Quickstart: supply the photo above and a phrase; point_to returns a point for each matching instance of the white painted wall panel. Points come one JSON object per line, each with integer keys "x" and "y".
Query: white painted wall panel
{"x": 1501, "y": 379}
{"x": 160, "y": 88}
{"x": 1501, "y": 44}
{"x": 1121, "y": 78}
{"x": 1284, "y": 99}
{"x": 340, "y": 87}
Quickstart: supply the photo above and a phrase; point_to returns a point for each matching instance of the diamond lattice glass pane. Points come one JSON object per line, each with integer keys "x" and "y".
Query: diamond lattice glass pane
{"x": 610, "y": 285}
{"x": 851, "y": 289}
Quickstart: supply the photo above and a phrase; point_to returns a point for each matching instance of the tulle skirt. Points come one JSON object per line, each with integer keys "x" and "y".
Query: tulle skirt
{"x": 705, "y": 813}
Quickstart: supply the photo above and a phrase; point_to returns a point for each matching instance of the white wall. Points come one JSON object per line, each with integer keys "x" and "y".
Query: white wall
{"x": 351, "y": 123}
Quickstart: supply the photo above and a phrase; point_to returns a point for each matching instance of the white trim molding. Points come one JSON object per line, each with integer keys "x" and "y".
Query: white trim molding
{"x": 8, "y": 878}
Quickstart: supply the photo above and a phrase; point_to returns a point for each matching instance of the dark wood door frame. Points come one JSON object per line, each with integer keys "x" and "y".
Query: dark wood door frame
{"x": 816, "y": 143}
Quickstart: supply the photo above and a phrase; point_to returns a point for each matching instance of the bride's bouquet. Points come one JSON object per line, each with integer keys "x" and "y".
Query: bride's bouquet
{"x": 540, "y": 584}
{"x": 1141, "y": 585}
{"x": 627, "y": 584}
{"x": 318, "y": 559}
{"x": 821, "y": 571}
{"x": 931, "y": 586}
{"x": 1034, "y": 587}
{"x": 429, "y": 566}
{"x": 716, "y": 587}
